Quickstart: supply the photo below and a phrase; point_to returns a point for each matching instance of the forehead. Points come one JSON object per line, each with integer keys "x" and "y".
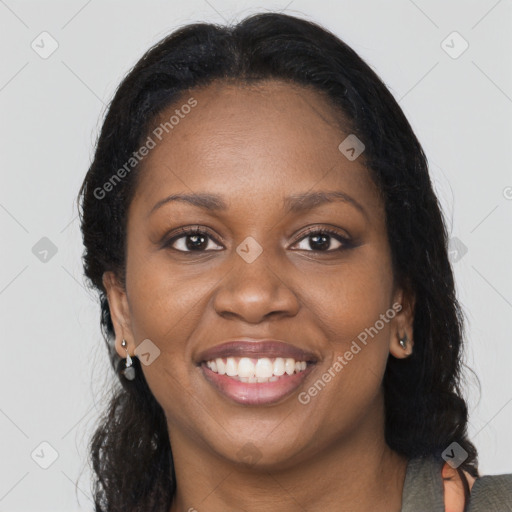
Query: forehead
{"x": 249, "y": 140}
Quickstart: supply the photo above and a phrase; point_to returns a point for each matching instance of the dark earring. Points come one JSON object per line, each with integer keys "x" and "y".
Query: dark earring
{"x": 129, "y": 371}
{"x": 403, "y": 341}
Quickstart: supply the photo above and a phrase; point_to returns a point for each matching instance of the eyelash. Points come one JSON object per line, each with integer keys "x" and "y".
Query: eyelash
{"x": 184, "y": 232}
{"x": 326, "y": 231}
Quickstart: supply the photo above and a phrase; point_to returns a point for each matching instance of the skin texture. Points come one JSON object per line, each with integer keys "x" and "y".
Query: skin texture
{"x": 255, "y": 145}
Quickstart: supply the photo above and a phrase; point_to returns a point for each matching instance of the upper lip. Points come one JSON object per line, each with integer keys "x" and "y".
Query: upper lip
{"x": 245, "y": 347}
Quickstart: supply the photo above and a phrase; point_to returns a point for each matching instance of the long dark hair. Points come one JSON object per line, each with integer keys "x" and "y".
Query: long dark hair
{"x": 425, "y": 410}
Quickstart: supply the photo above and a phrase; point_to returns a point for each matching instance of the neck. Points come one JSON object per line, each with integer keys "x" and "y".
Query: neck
{"x": 358, "y": 473}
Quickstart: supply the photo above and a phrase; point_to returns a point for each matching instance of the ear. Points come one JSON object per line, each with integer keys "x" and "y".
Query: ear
{"x": 119, "y": 312}
{"x": 402, "y": 324}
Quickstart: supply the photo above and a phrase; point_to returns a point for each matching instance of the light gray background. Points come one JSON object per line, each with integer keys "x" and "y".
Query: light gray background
{"x": 54, "y": 366}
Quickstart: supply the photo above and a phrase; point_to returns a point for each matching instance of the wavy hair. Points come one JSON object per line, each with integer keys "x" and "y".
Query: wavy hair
{"x": 424, "y": 407}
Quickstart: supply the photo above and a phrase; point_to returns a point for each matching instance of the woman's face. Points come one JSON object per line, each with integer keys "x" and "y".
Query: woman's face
{"x": 256, "y": 274}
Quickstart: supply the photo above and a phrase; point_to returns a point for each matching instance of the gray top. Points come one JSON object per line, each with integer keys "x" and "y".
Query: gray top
{"x": 423, "y": 489}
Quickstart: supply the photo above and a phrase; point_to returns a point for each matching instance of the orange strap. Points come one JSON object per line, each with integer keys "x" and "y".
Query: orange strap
{"x": 453, "y": 488}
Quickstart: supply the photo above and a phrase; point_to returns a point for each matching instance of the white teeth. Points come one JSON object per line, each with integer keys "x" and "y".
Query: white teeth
{"x": 245, "y": 367}
{"x": 221, "y": 367}
{"x": 279, "y": 366}
{"x": 264, "y": 368}
{"x": 231, "y": 367}
{"x": 253, "y": 370}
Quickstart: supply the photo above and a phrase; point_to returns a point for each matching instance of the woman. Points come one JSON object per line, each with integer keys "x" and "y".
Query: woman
{"x": 261, "y": 228}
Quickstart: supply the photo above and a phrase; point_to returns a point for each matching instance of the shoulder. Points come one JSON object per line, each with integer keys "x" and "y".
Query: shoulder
{"x": 423, "y": 485}
{"x": 432, "y": 485}
{"x": 491, "y": 493}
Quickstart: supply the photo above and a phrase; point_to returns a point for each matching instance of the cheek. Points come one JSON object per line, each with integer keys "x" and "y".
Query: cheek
{"x": 166, "y": 308}
{"x": 348, "y": 386}
{"x": 352, "y": 308}
{"x": 346, "y": 300}
{"x": 165, "y": 301}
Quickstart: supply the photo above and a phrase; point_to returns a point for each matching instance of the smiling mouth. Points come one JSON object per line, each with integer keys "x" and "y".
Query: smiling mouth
{"x": 253, "y": 381}
{"x": 255, "y": 370}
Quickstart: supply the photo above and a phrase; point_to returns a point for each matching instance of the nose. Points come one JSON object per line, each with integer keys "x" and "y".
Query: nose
{"x": 255, "y": 291}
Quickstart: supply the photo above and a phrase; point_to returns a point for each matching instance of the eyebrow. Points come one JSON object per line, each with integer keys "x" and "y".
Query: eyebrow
{"x": 295, "y": 203}
{"x": 310, "y": 200}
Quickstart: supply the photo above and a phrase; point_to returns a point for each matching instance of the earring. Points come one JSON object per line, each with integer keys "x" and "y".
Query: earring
{"x": 129, "y": 371}
{"x": 403, "y": 341}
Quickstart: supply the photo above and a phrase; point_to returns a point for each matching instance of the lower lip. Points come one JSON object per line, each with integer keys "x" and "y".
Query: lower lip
{"x": 257, "y": 393}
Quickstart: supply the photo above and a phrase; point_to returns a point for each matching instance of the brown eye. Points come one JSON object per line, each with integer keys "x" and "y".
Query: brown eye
{"x": 191, "y": 240}
{"x": 323, "y": 240}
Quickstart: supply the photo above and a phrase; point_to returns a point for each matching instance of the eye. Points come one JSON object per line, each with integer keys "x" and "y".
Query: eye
{"x": 322, "y": 240}
{"x": 197, "y": 239}
{"x": 191, "y": 240}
